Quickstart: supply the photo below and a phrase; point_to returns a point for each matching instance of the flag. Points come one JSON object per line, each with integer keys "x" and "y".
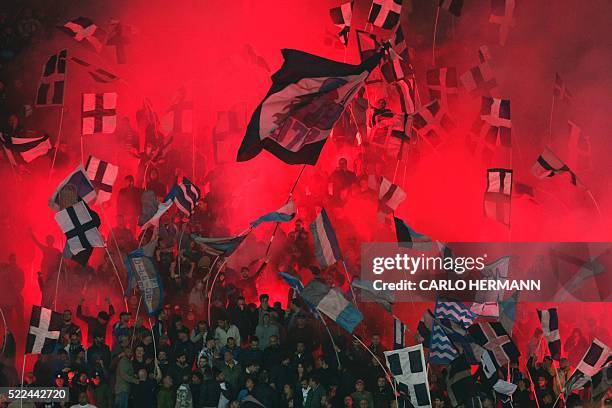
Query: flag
{"x": 83, "y": 28}
{"x": 179, "y": 116}
{"x": 399, "y": 334}
{"x": 408, "y": 100}
{"x": 98, "y": 74}
{"x": 102, "y": 176}
{"x": 548, "y": 164}
{"x": 390, "y": 196}
{"x": 284, "y": 214}
{"x": 76, "y": 186}
{"x": 99, "y": 113}
{"x": 507, "y": 312}
{"x": 459, "y": 382}
{"x": 479, "y": 78}
{"x": 326, "y": 247}
{"x": 117, "y": 39}
{"x": 152, "y": 210}
{"x": 524, "y": 190}
{"x": 498, "y": 271}
{"x": 293, "y": 282}
{"x": 424, "y": 328}
{"x": 186, "y": 195}
{"x": 397, "y": 65}
{"x": 577, "y": 265}
{"x": 452, "y": 6}
{"x": 460, "y": 339}
{"x": 498, "y": 196}
{"x": 25, "y": 147}
{"x": 341, "y": 16}
{"x": 367, "y": 44}
{"x": 409, "y": 238}
{"x": 333, "y": 304}
{"x": 549, "y": 320}
{"x": 596, "y": 357}
{"x": 441, "y": 348}
{"x": 560, "y": 90}
{"x": 433, "y": 123}
{"x": 579, "y": 147}
{"x": 490, "y": 367}
{"x": 601, "y": 384}
{"x": 385, "y": 13}
{"x": 44, "y": 331}
{"x": 484, "y": 54}
{"x": 492, "y": 336}
{"x": 492, "y": 128}
{"x": 307, "y": 97}
{"x": 384, "y": 298}
{"x": 408, "y": 368}
{"x": 442, "y": 85}
{"x": 220, "y": 246}
{"x": 486, "y": 309}
{"x": 502, "y": 13}
{"x": 52, "y": 81}
{"x": 81, "y": 225}
{"x": 142, "y": 271}
{"x": 250, "y": 54}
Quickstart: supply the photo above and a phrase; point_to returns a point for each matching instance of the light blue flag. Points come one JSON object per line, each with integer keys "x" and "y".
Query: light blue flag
{"x": 333, "y": 304}
{"x": 283, "y": 214}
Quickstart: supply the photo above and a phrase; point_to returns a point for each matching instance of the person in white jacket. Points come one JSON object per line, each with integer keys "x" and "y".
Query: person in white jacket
{"x": 226, "y": 330}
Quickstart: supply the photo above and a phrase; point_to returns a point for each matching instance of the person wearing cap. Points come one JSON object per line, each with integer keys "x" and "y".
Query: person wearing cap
{"x": 96, "y": 325}
{"x": 361, "y": 394}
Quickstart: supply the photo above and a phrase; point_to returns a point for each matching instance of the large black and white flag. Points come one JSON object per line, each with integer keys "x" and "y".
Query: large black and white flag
{"x": 443, "y": 85}
{"x": 341, "y": 16}
{"x": 307, "y": 97}
{"x": 75, "y": 187}
{"x": 390, "y": 196}
{"x": 102, "y": 176}
{"x": 597, "y": 356}
{"x": 80, "y": 225}
{"x": 408, "y": 367}
{"x": 549, "y": 321}
{"x": 498, "y": 195}
{"x": 179, "y": 116}
{"x": 548, "y": 165}
{"x": 493, "y": 337}
{"x": 385, "y": 13}
{"x": 44, "y": 331}
{"x": 83, "y": 28}
{"x": 479, "y": 79}
{"x": 50, "y": 90}
{"x": 99, "y": 113}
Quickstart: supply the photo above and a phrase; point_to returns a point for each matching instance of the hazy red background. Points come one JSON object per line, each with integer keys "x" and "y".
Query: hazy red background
{"x": 199, "y": 45}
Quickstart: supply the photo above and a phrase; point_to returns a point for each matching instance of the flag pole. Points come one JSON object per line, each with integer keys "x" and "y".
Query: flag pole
{"x": 288, "y": 199}
{"x": 23, "y": 375}
{"x": 387, "y": 374}
{"x": 136, "y": 317}
{"x": 59, "y": 271}
{"x": 550, "y": 120}
{"x": 331, "y": 338}
{"x": 5, "y": 332}
{"x": 57, "y": 143}
{"x": 118, "y": 278}
{"x": 433, "y": 45}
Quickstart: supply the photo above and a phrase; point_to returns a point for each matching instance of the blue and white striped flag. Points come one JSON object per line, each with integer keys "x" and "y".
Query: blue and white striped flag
{"x": 441, "y": 349}
{"x": 333, "y": 304}
{"x": 186, "y": 196}
{"x": 220, "y": 246}
{"x": 326, "y": 245}
{"x": 283, "y": 214}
